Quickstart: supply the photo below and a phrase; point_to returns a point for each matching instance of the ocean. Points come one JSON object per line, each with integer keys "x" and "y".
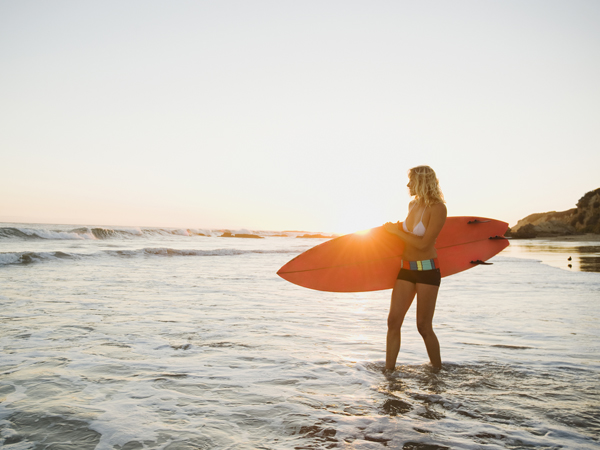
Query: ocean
{"x": 148, "y": 338}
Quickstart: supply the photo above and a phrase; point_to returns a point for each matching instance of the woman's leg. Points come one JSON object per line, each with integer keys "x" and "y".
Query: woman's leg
{"x": 402, "y": 297}
{"x": 426, "y": 299}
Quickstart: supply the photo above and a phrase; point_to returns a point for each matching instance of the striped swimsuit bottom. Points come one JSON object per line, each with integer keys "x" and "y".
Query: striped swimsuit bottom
{"x": 423, "y": 272}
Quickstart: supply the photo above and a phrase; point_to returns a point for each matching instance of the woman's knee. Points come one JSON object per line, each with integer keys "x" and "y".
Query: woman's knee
{"x": 425, "y": 329}
{"x": 394, "y": 322}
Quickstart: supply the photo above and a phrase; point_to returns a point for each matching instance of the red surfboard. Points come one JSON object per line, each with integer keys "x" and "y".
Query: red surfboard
{"x": 370, "y": 260}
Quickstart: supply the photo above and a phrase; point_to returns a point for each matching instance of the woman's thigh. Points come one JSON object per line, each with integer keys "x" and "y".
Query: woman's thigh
{"x": 426, "y": 300}
{"x": 402, "y": 297}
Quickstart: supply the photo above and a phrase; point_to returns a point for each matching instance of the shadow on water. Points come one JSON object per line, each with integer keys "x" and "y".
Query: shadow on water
{"x": 41, "y": 431}
{"x": 459, "y": 392}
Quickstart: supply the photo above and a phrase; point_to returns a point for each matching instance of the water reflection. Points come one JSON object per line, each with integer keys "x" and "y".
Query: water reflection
{"x": 590, "y": 264}
{"x": 577, "y": 256}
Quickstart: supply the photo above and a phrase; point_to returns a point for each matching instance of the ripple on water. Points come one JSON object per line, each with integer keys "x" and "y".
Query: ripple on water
{"x": 208, "y": 352}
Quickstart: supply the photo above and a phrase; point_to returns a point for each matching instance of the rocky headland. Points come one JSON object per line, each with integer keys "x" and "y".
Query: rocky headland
{"x": 584, "y": 218}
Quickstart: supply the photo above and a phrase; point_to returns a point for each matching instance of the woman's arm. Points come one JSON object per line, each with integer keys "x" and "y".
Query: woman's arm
{"x": 436, "y": 222}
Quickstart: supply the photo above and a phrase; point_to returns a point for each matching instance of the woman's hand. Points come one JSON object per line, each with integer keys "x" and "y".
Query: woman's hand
{"x": 391, "y": 227}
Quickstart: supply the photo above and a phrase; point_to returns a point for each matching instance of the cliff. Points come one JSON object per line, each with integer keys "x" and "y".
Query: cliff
{"x": 585, "y": 218}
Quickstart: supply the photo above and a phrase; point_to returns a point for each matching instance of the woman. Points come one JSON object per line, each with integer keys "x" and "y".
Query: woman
{"x": 420, "y": 273}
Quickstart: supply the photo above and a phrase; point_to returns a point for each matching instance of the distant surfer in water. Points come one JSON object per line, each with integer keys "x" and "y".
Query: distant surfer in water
{"x": 420, "y": 273}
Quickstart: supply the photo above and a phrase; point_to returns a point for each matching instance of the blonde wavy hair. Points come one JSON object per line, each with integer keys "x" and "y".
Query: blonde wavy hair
{"x": 426, "y": 185}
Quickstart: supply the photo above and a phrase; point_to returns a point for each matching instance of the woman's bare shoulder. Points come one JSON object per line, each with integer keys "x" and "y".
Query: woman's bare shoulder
{"x": 439, "y": 208}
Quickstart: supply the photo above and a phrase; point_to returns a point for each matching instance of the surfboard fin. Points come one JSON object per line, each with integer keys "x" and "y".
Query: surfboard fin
{"x": 478, "y": 262}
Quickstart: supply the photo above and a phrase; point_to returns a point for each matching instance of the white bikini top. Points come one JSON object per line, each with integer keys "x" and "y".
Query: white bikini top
{"x": 419, "y": 229}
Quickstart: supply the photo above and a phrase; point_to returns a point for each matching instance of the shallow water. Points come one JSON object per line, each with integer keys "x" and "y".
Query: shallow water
{"x": 168, "y": 341}
{"x": 569, "y": 255}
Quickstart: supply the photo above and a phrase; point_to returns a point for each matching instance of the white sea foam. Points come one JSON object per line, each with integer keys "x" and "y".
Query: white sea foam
{"x": 181, "y": 232}
{"x": 9, "y": 258}
{"x": 202, "y": 232}
{"x": 49, "y": 234}
{"x": 30, "y": 257}
{"x": 136, "y": 231}
{"x": 34, "y": 257}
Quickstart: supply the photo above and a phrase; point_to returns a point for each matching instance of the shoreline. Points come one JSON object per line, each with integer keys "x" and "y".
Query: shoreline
{"x": 589, "y": 237}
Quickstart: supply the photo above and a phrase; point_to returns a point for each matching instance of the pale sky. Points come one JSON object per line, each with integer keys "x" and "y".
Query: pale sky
{"x": 273, "y": 115}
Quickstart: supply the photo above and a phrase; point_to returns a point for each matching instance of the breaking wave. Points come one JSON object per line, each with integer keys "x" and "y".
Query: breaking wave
{"x": 94, "y": 233}
{"x": 9, "y": 258}
{"x": 81, "y": 233}
{"x": 31, "y": 257}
